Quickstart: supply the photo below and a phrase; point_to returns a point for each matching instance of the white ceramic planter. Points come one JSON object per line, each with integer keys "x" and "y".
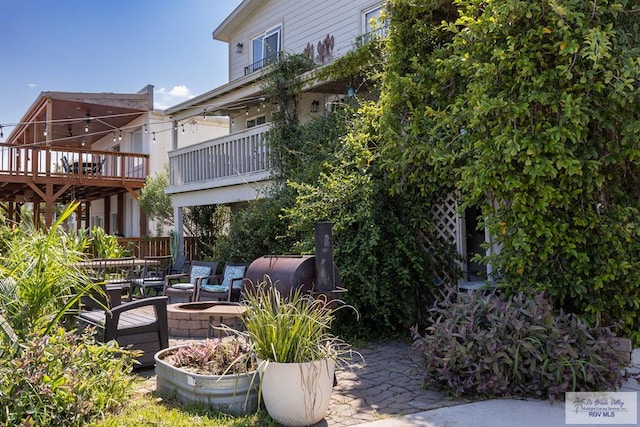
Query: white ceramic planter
{"x": 233, "y": 394}
{"x": 297, "y": 394}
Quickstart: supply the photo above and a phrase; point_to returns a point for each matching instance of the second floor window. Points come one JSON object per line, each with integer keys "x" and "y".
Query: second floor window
{"x": 256, "y": 121}
{"x": 375, "y": 23}
{"x": 265, "y": 47}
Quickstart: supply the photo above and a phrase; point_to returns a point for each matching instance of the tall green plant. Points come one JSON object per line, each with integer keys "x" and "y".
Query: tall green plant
{"x": 107, "y": 245}
{"x": 530, "y": 109}
{"x": 39, "y": 282}
{"x": 154, "y": 201}
{"x": 293, "y": 328}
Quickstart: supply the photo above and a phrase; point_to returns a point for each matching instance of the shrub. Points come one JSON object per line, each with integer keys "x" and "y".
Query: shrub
{"x": 39, "y": 283}
{"x": 214, "y": 357}
{"x": 491, "y": 346}
{"x": 61, "y": 379}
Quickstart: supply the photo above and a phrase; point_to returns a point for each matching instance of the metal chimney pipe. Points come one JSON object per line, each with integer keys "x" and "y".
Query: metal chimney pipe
{"x": 325, "y": 279}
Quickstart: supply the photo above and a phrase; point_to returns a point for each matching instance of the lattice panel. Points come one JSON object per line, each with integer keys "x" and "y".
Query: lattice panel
{"x": 445, "y": 216}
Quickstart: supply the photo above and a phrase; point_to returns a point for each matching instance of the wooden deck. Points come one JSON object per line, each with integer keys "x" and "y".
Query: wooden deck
{"x": 60, "y": 175}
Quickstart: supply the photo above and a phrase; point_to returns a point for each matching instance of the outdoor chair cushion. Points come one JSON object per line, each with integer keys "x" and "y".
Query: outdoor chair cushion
{"x": 183, "y": 286}
{"x": 233, "y": 275}
{"x": 214, "y": 288}
{"x": 199, "y": 271}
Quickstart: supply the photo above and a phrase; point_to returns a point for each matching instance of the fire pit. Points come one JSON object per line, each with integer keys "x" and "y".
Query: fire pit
{"x": 198, "y": 319}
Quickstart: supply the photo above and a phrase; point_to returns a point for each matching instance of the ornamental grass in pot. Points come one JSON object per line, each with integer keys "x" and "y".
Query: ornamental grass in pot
{"x": 221, "y": 373}
{"x": 291, "y": 337}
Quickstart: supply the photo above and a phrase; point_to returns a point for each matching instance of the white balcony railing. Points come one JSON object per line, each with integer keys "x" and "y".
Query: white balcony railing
{"x": 216, "y": 162}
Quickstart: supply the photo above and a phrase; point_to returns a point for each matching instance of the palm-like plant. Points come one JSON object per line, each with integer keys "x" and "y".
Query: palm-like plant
{"x": 39, "y": 279}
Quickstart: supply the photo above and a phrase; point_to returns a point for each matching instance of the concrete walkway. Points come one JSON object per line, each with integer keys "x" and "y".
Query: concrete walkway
{"x": 504, "y": 412}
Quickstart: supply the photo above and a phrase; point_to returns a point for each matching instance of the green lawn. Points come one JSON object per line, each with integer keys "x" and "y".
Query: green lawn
{"x": 151, "y": 409}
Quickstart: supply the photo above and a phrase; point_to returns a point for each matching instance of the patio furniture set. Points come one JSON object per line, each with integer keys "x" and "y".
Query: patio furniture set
{"x": 141, "y": 322}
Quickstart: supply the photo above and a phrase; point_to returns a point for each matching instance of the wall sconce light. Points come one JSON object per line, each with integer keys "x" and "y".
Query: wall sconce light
{"x": 239, "y": 47}
{"x": 314, "y": 105}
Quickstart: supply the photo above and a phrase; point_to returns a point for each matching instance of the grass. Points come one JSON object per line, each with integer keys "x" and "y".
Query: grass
{"x": 151, "y": 409}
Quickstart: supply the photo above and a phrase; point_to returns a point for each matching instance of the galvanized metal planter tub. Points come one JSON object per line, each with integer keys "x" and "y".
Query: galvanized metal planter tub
{"x": 235, "y": 394}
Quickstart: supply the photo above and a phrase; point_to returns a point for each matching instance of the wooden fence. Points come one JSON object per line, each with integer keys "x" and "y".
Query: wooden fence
{"x": 157, "y": 246}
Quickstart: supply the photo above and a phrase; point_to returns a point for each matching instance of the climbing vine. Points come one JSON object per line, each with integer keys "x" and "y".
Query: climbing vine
{"x": 530, "y": 110}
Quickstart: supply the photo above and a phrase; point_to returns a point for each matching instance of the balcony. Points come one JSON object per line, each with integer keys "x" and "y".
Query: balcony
{"x": 240, "y": 158}
{"x": 261, "y": 64}
{"x": 57, "y": 174}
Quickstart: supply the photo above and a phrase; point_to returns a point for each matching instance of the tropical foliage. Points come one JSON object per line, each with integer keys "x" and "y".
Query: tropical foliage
{"x": 49, "y": 376}
{"x": 530, "y": 109}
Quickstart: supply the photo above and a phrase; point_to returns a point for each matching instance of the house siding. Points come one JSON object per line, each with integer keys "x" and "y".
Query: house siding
{"x": 303, "y": 22}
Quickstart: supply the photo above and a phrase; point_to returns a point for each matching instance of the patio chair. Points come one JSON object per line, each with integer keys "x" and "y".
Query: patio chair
{"x": 223, "y": 287}
{"x": 182, "y": 287}
{"x": 118, "y": 273}
{"x": 133, "y": 325}
{"x": 65, "y": 164}
{"x": 152, "y": 276}
{"x": 180, "y": 263}
{"x": 97, "y": 166}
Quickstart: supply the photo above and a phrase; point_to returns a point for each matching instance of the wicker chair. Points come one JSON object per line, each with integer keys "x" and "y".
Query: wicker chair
{"x": 182, "y": 287}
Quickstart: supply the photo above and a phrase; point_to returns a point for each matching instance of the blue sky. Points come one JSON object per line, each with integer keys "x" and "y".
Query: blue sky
{"x": 109, "y": 46}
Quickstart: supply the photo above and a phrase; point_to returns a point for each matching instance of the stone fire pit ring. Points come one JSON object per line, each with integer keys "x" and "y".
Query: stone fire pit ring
{"x": 199, "y": 319}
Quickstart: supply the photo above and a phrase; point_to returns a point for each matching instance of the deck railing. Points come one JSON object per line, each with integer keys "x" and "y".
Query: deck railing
{"x": 43, "y": 161}
{"x": 237, "y": 155}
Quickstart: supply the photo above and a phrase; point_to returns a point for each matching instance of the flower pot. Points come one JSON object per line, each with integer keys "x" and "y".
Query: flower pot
{"x": 235, "y": 394}
{"x": 297, "y": 394}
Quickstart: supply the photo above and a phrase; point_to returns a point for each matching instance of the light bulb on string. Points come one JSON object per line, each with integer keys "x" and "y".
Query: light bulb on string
{"x": 44, "y": 132}
{"x": 86, "y": 127}
{"x": 114, "y": 137}
{"x": 120, "y": 136}
{"x": 183, "y": 128}
{"x": 154, "y": 137}
{"x": 204, "y": 114}
{"x": 145, "y": 128}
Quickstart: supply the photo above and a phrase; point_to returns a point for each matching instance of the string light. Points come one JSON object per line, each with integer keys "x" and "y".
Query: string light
{"x": 154, "y": 137}
{"x": 101, "y": 119}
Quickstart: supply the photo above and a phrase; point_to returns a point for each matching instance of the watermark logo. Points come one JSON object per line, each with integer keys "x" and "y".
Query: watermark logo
{"x": 601, "y": 408}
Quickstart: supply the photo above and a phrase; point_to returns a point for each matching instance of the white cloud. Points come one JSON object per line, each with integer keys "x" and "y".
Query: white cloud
{"x": 166, "y": 98}
{"x": 32, "y": 84}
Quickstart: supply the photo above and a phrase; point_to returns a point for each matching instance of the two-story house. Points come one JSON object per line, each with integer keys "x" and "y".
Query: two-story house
{"x": 96, "y": 148}
{"x": 235, "y": 168}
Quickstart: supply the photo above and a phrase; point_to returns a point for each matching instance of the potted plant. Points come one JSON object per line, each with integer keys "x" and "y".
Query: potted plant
{"x": 217, "y": 372}
{"x": 297, "y": 353}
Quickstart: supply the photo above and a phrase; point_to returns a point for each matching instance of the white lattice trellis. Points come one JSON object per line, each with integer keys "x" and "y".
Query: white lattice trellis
{"x": 445, "y": 216}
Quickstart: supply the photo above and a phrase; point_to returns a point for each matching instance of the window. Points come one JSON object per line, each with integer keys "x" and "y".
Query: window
{"x": 265, "y": 48}
{"x": 256, "y": 121}
{"x": 374, "y": 23}
{"x": 136, "y": 142}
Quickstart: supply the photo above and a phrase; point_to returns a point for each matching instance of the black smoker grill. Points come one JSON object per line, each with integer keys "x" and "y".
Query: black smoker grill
{"x": 309, "y": 273}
